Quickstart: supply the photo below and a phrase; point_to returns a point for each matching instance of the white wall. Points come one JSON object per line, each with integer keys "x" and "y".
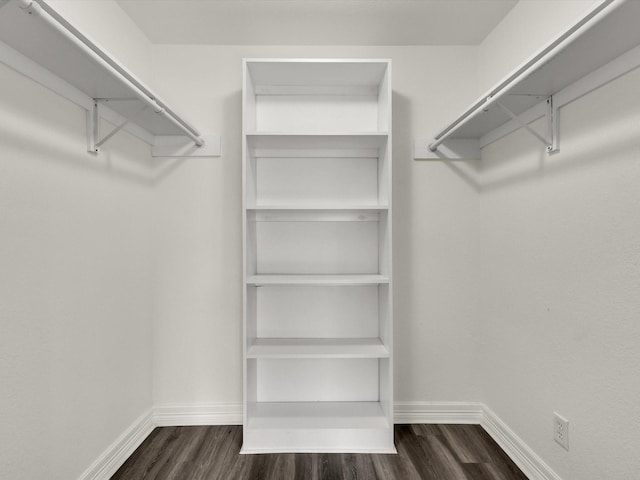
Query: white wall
{"x": 198, "y": 317}
{"x": 560, "y": 264}
{"x": 527, "y": 27}
{"x": 107, "y": 25}
{"x": 75, "y": 282}
{"x": 75, "y": 285}
{"x": 560, "y": 275}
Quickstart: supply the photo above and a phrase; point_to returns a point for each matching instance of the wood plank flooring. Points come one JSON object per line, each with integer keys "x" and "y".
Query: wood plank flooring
{"x": 438, "y": 452}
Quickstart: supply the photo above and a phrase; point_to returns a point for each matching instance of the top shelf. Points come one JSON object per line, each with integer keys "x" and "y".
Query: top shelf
{"x": 598, "y": 48}
{"x": 317, "y": 97}
{"x": 45, "y": 43}
{"x": 318, "y": 76}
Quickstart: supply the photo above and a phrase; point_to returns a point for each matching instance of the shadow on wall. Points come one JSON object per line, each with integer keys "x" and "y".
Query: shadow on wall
{"x": 72, "y": 154}
{"x": 403, "y": 266}
{"x": 230, "y": 195}
{"x": 48, "y": 137}
{"x": 112, "y": 161}
{"x": 230, "y": 178}
{"x": 520, "y": 158}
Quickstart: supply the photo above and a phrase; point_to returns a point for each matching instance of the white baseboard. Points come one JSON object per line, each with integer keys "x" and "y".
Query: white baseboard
{"x": 437, "y": 412}
{"x": 231, "y": 413}
{"x": 404, "y": 412}
{"x": 521, "y": 454}
{"x": 115, "y": 455}
{"x": 198, "y": 414}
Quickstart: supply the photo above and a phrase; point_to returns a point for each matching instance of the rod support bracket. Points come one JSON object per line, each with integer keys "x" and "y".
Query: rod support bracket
{"x": 552, "y": 118}
{"x": 551, "y": 140}
{"x": 93, "y": 128}
{"x": 94, "y": 142}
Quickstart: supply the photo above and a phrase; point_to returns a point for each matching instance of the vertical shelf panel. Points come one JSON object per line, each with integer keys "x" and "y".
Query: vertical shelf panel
{"x": 318, "y": 346}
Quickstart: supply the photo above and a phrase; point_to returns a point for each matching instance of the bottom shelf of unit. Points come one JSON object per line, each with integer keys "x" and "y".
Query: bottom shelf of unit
{"x": 316, "y": 415}
{"x": 354, "y": 427}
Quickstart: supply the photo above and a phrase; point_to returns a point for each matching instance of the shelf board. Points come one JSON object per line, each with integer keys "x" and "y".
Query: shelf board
{"x": 317, "y": 348}
{"x": 314, "y": 215}
{"x": 317, "y": 207}
{"x": 316, "y": 73}
{"x": 85, "y": 76}
{"x": 310, "y": 140}
{"x": 328, "y": 280}
{"x": 316, "y": 415}
{"x": 586, "y": 51}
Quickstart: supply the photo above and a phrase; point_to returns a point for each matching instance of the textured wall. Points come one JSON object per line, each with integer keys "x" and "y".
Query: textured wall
{"x": 560, "y": 274}
{"x": 560, "y": 266}
{"x": 75, "y": 285}
{"x": 75, "y": 282}
{"x": 197, "y": 341}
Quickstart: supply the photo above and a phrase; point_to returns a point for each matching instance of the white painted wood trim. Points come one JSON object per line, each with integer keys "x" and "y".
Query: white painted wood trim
{"x": 521, "y": 454}
{"x": 437, "y": 412}
{"x": 404, "y": 412}
{"x": 316, "y": 90}
{"x": 365, "y": 451}
{"x": 320, "y": 279}
{"x": 117, "y": 453}
{"x": 197, "y": 414}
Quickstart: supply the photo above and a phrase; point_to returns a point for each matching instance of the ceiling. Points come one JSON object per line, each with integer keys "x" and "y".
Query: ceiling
{"x": 317, "y": 22}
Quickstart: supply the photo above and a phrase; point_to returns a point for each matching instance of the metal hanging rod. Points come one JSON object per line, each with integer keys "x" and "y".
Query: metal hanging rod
{"x": 522, "y": 72}
{"x": 56, "y": 21}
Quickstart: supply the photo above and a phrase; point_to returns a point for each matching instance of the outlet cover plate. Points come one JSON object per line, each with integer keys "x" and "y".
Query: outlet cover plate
{"x": 561, "y": 430}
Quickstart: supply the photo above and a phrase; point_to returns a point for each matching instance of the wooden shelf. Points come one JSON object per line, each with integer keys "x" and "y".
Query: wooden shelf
{"x": 599, "y": 47}
{"x": 328, "y": 280}
{"x": 317, "y": 348}
{"x": 314, "y": 140}
{"x": 41, "y": 44}
{"x": 316, "y": 415}
{"x": 317, "y": 208}
{"x": 315, "y": 215}
{"x": 316, "y": 76}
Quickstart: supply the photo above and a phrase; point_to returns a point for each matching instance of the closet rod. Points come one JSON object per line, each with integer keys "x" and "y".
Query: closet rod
{"x": 65, "y": 28}
{"x": 522, "y": 72}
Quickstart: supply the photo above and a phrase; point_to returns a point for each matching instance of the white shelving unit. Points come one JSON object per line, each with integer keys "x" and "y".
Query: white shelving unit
{"x": 599, "y": 47}
{"x": 40, "y": 43}
{"x": 318, "y": 371}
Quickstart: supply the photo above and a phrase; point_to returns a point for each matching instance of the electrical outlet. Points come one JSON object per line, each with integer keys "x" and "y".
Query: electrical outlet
{"x": 561, "y": 430}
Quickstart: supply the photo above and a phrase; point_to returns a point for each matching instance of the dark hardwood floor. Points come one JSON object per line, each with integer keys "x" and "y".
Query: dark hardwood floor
{"x": 438, "y": 452}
